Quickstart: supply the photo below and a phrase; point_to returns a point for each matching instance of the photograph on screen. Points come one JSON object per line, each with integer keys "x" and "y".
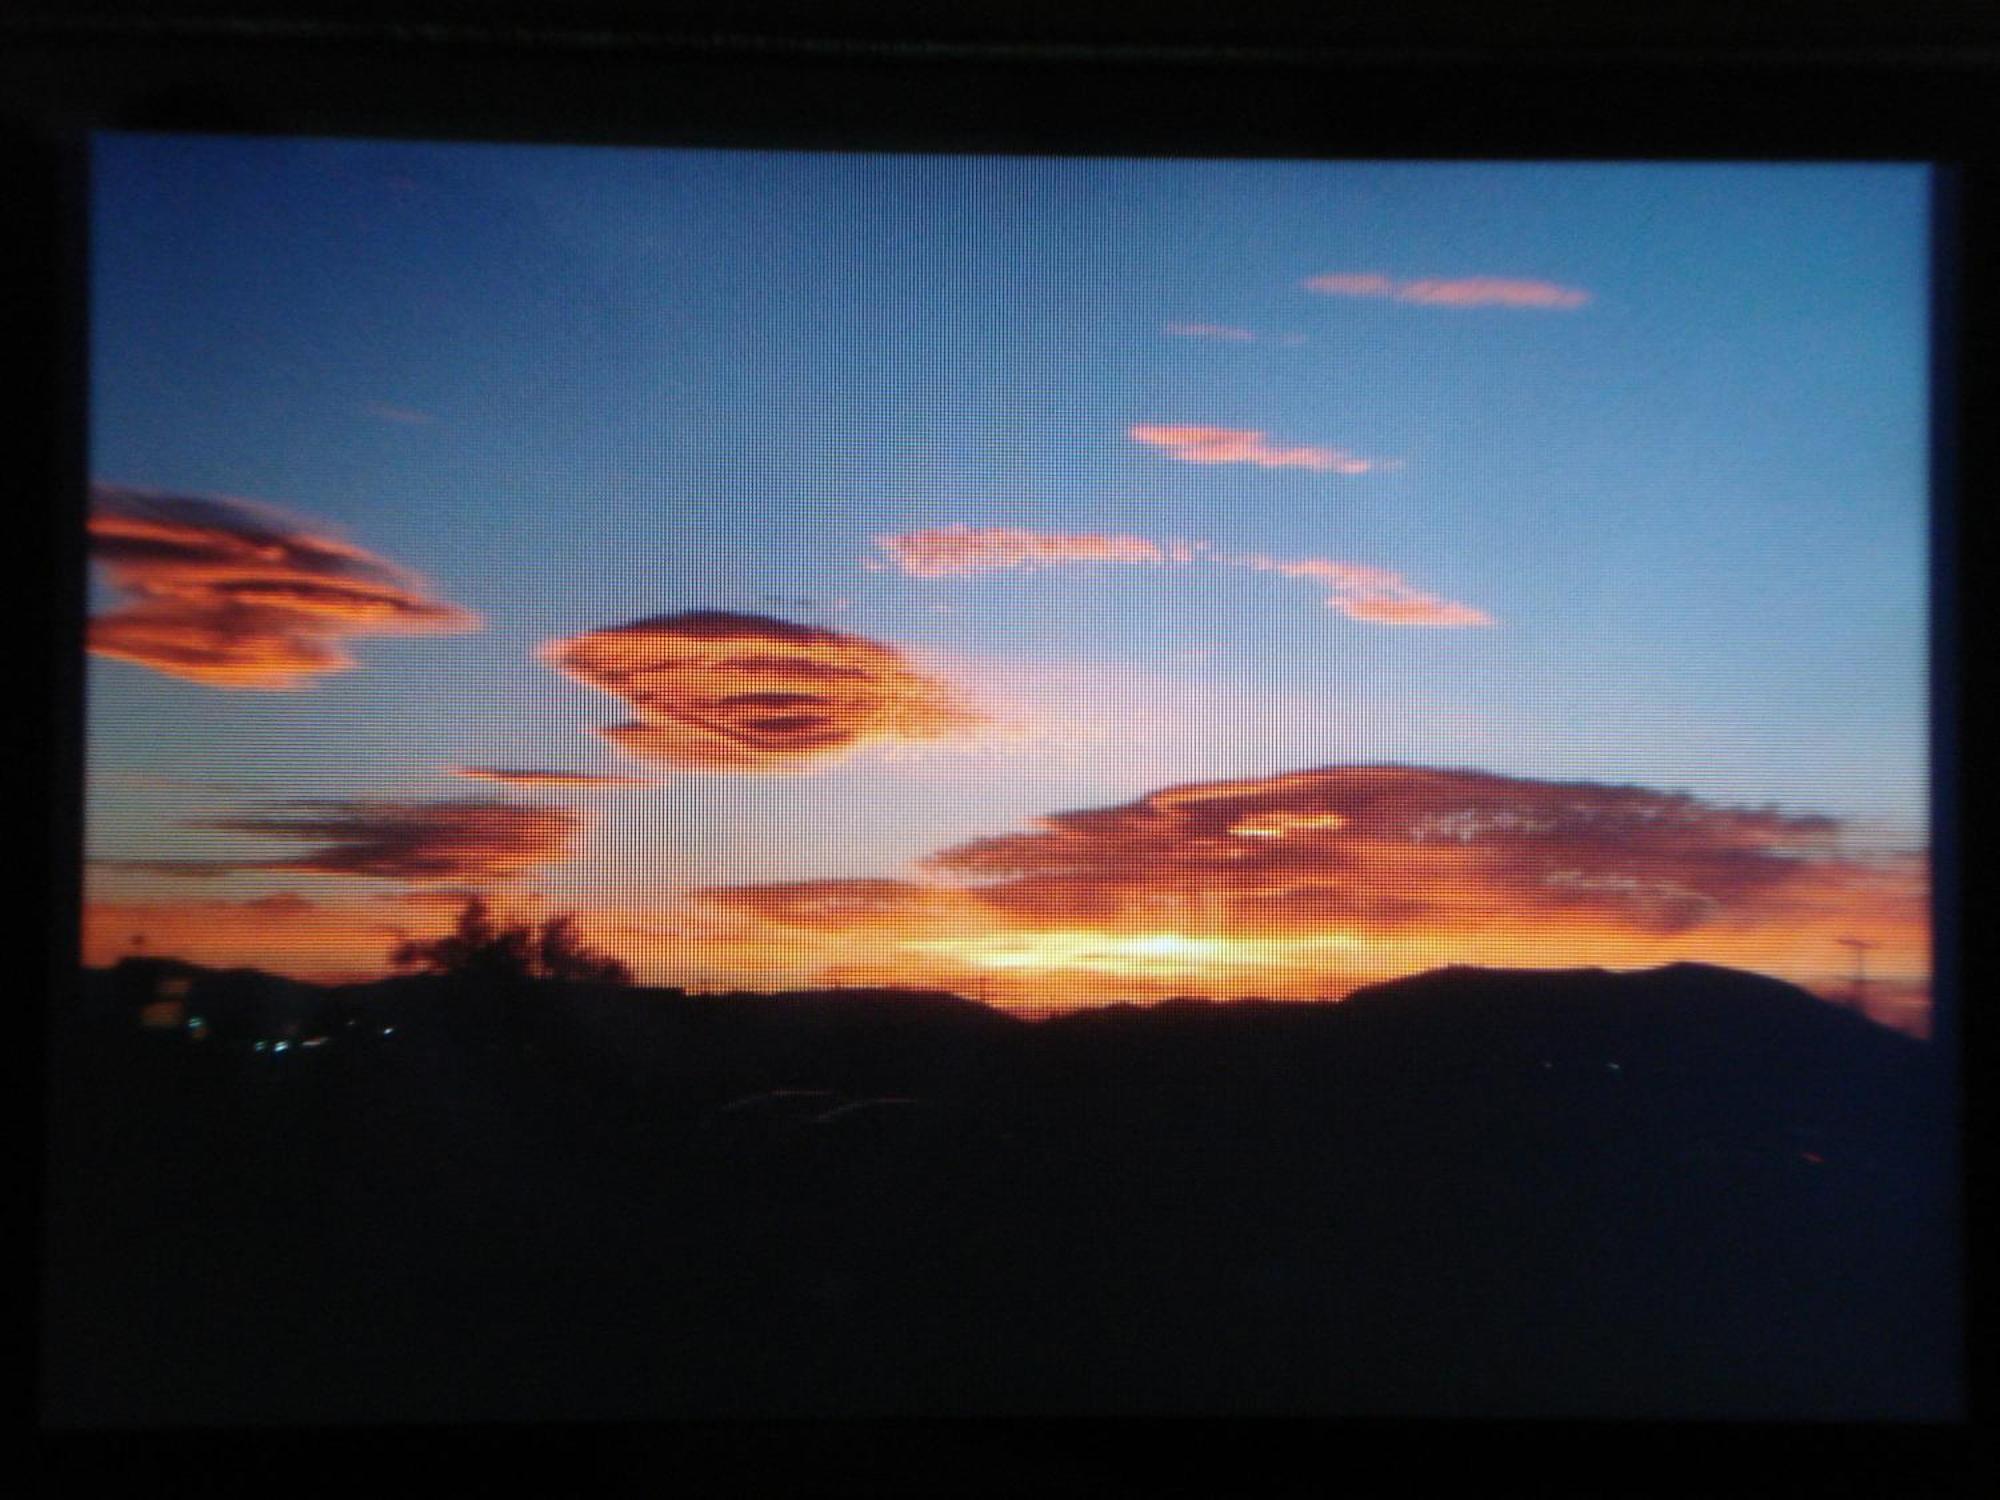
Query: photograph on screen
{"x": 730, "y": 782}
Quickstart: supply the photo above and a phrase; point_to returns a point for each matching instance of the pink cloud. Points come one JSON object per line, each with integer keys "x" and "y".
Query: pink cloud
{"x": 1361, "y": 591}
{"x": 1351, "y": 285}
{"x": 1234, "y": 445}
{"x": 1417, "y": 609}
{"x": 1378, "y": 596}
{"x": 1466, "y": 291}
{"x": 1490, "y": 291}
{"x": 959, "y": 551}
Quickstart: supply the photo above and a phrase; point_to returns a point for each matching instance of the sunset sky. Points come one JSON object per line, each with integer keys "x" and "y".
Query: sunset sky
{"x": 1057, "y": 580}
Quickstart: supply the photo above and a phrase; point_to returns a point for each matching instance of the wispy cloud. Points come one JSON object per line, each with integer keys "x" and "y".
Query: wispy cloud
{"x": 959, "y": 551}
{"x": 424, "y": 841}
{"x": 1376, "y": 595}
{"x": 234, "y": 594}
{"x": 580, "y": 780}
{"x": 731, "y": 692}
{"x": 1237, "y": 445}
{"x": 1463, "y": 291}
{"x": 173, "y": 869}
{"x": 1360, "y": 591}
{"x": 1220, "y": 331}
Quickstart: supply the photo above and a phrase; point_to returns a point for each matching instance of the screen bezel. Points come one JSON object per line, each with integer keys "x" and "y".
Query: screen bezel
{"x": 1128, "y": 96}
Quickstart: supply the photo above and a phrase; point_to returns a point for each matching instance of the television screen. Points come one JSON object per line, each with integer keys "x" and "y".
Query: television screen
{"x": 729, "y": 782}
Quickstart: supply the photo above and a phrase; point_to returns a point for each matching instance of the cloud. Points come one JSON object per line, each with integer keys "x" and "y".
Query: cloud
{"x": 1466, "y": 291}
{"x": 173, "y": 869}
{"x": 1235, "y": 445}
{"x": 1399, "y": 844}
{"x": 1352, "y": 285}
{"x": 1375, "y": 595}
{"x": 1220, "y": 331}
{"x": 1308, "y": 881}
{"x": 424, "y": 841}
{"x": 581, "y": 780}
{"x": 718, "y": 691}
{"x": 959, "y": 551}
{"x": 1358, "y": 590}
{"x": 233, "y": 594}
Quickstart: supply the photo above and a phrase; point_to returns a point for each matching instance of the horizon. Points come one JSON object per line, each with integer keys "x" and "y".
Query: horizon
{"x": 637, "y": 989}
{"x": 1056, "y": 581}
{"x": 1869, "y": 1008}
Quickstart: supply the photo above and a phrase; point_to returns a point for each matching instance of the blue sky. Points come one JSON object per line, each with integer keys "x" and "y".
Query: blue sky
{"x": 576, "y": 387}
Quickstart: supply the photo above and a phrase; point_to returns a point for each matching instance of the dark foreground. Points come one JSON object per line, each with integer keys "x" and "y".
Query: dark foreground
{"x": 1690, "y": 1193}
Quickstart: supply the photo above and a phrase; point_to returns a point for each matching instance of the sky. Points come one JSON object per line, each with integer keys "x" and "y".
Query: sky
{"x": 1059, "y": 580}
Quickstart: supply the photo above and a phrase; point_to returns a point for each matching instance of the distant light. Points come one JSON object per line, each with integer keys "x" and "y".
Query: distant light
{"x": 281, "y": 1046}
{"x": 1547, "y": 1064}
{"x": 314, "y": 1041}
{"x": 1615, "y": 1067}
{"x": 1814, "y": 1157}
{"x": 259, "y": 1046}
{"x": 388, "y": 1031}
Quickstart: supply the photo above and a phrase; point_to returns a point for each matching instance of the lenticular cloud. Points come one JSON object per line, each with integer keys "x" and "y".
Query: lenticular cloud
{"x": 716, "y": 691}
{"x": 234, "y": 594}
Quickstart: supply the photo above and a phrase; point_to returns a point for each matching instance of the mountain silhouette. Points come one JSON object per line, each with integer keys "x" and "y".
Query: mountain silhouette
{"x": 1689, "y": 1191}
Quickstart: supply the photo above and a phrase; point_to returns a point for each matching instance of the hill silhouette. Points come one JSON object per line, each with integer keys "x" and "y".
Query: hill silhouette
{"x": 1685, "y": 1192}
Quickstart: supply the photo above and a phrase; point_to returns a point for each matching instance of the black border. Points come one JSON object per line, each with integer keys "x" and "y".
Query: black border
{"x": 1168, "y": 84}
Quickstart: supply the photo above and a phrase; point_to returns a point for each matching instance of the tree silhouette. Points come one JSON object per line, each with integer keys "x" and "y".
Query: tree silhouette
{"x": 562, "y": 954}
{"x": 479, "y": 949}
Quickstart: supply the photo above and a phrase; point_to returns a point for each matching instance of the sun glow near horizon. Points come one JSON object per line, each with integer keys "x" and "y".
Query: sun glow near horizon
{"x": 1316, "y": 586}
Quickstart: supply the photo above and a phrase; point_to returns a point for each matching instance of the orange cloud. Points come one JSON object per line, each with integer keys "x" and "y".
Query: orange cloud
{"x": 732, "y": 692}
{"x": 233, "y": 594}
{"x": 580, "y": 780}
{"x": 1398, "y": 843}
{"x": 1309, "y": 882}
{"x": 1468, "y": 291}
{"x": 412, "y": 840}
{"x": 1211, "y": 331}
{"x": 958, "y": 551}
{"x": 1235, "y": 445}
{"x": 1376, "y": 595}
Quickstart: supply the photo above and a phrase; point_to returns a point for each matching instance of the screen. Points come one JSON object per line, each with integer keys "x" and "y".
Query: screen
{"x": 739, "y": 782}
